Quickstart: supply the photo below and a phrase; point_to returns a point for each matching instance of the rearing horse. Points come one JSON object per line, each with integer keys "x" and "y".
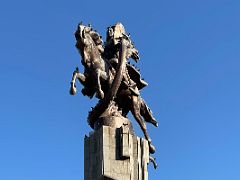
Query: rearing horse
{"x": 89, "y": 45}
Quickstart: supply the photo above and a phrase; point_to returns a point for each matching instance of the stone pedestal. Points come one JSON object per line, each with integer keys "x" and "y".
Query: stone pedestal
{"x": 115, "y": 153}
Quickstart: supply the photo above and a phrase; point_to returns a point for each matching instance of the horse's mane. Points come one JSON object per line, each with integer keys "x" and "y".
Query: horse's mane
{"x": 96, "y": 37}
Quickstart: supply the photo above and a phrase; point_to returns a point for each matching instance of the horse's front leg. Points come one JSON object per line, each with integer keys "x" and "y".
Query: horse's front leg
{"x": 99, "y": 92}
{"x": 80, "y": 77}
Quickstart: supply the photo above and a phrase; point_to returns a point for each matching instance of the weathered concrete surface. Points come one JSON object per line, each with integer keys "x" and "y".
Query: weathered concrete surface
{"x": 115, "y": 153}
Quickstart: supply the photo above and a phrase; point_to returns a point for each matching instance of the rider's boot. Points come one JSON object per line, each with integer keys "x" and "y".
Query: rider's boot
{"x": 154, "y": 122}
{"x": 134, "y": 90}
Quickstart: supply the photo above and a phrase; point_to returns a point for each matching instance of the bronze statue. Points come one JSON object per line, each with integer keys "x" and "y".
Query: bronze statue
{"x": 108, "y": 76}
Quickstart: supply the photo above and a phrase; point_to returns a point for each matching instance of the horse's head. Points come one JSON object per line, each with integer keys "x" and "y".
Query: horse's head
{"x": 89, "y": 42}
{"x": 82, "y": 36}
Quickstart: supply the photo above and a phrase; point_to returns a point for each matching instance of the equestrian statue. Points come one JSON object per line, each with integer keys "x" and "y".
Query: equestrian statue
{"x": 110, "y": 77}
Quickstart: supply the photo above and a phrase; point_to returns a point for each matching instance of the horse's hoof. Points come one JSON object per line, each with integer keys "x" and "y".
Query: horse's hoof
{"x": 73, "y": 90}
{"x": 152, "y": 149}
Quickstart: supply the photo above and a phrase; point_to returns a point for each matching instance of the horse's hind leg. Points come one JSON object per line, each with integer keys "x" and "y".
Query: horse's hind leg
{"x": 136, "y": 113}
{"x": 147, "y": 113}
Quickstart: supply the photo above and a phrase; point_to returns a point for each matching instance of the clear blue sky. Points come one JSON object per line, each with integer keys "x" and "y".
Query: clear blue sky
{"x": 190, "y": 55}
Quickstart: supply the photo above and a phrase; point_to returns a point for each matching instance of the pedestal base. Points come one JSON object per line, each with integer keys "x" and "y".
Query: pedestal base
{"x": 115, "y": 153}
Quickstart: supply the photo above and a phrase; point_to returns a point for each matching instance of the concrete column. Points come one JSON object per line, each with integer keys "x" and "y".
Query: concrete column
{"x": 115, "y": 153}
